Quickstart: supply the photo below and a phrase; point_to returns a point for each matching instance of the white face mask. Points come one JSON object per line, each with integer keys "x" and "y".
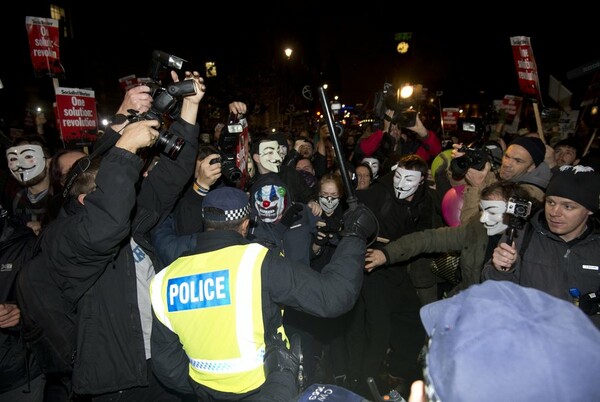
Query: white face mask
{"x": 406, "y": 182}
{"x": 26, "y": 162}
{"x": 492, "y": 216}
{"x": 282, "y": 151}
{"x": 269, "y": 156}
{"x": 329, "y": 204}
{"x": 373, "y": 164}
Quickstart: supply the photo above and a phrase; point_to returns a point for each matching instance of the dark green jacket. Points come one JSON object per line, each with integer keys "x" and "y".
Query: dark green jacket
{"x": 470, "y": 239}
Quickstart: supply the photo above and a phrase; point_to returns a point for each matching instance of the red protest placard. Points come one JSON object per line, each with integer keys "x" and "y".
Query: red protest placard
{"x": 510, "y": 107}
{"x": 43, "y": 36}
{"x": 77, "y": 116}
{"x": 526, "y": 68}
{"x": 450, "y": 118}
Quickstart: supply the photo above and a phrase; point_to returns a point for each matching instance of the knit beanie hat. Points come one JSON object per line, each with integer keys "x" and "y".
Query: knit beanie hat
{"x": 577, "y": 183}
{"x": 534, "y": 146}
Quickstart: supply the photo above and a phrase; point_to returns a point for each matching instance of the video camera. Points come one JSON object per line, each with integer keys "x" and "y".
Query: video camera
{"x": 389, "y": 99}
{"x": 518, "y": 207}
{"x": 476, "y": 154}
{"x": 519, "y": 210}
{"x": 166, "y": 102}
{"x": 228, "y": 149}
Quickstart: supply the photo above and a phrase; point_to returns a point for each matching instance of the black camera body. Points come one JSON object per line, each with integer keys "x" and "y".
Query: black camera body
{"x": 474, "y": 157}
{"x": 228, "y": 144}
{"x": 166, "y": 103}
{"x": 404, "y": 113}
{"x": 228, "y": 168}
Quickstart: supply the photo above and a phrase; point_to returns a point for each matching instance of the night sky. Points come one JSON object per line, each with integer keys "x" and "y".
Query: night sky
{"x": 353, "y": 51}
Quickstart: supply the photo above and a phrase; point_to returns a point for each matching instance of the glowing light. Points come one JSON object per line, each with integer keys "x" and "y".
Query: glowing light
{"x": 406, "y": 91}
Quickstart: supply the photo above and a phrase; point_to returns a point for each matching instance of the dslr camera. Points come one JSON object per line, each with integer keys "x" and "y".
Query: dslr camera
{"x": 475, "y": 156}
{"x": 228, "y": 148}
{"x": 166, "y": 102}
{"x": 388, "y": 99}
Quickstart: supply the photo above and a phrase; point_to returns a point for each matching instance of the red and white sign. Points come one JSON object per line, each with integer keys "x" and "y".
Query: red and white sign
{"x": 450, "y": 118}
{"x": 527, "y": 73}
{"x": 510, "y": 108}
{"x": 76, "y": 112}
{"x": 43, "y": 36}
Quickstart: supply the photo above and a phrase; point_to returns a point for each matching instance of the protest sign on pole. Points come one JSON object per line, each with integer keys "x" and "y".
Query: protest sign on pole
{"x": 76, "y": 113}
{"x": 529, "y": 82}
{"x": 527, "y": 73}
{"x": 43, "y": 36}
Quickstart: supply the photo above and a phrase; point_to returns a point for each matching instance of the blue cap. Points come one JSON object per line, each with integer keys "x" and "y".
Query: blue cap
{"x": 498, "y": 341}
{"x": 225, "y": 204}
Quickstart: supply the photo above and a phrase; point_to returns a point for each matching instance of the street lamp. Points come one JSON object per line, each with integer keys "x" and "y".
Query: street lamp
{"x": 288, "y": 52}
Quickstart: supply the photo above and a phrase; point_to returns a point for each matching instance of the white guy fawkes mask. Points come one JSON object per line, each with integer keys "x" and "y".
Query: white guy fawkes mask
{"x": 328, "y": 203}
{"x": 269, "y": 156}
{"x": 26, "y": 161}
{"x": 282, "y": 150}
{"x": 269, "y": 202}
{"x": 373, "y": 164}
{"x": 492, "y": 216}
{"x": 406, "y": 182}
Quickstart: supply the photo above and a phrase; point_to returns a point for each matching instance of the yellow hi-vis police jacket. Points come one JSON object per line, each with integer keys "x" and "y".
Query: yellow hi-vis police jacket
{"x": 212, "y": 301}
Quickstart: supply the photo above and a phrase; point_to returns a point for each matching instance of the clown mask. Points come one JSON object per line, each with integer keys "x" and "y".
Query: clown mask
{"x": 373, "y": 164}
{"x": 492, "y": 216}
{"x": 26, "y": 162}
{"x": 269, "y": 156}
{"x": 406, "y": 182}
{"x": 270, "y": 202}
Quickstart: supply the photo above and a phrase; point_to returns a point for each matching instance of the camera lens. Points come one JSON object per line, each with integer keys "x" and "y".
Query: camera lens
{"x": 231, "y": 172}
{"x": 170, "y": 144}
{"x": 459, "y": 166}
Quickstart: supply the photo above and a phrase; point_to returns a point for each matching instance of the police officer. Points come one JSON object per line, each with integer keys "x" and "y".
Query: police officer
{"x": 218, "y": 331}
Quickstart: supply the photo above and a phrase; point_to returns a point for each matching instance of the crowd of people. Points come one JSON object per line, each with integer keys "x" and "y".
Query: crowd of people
{"x": 183, "y": 285}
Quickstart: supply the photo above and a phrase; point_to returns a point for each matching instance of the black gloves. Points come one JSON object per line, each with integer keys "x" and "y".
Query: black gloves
{"x": 361, "y": 222}
{"x": 291, "y": 215}
{"x": 279, "y": 358}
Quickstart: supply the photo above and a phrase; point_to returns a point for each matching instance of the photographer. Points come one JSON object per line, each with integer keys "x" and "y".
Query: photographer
{"x": 99, "y": 253}
{"x": 522, "y": 163}
{"x": 558, "y": 250}
{"x": 187, "y": 217}
{"x": 413, "y": 139}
